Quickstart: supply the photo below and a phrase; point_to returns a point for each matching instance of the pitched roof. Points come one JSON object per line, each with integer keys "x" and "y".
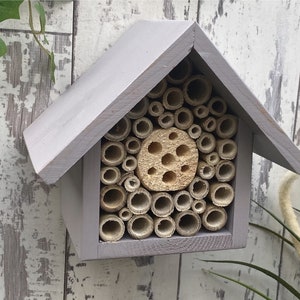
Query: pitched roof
{"x": 144, "y": 55}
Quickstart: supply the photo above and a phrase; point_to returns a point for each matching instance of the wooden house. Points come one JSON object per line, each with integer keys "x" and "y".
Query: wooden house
{"x": 65, "y": 141}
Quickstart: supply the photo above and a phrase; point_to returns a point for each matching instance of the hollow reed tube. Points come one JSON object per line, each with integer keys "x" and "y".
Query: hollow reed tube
{"x": 155, "y": 109}
{"x": 129, "y": 164}
{"x": 110, "y": 175}
{"x": 226, "y": 126}
{"x": 214, "y": 218}
{"x": 166, "y": 120}
{"x": 208, "y": 124}
{"x": 221, "y": 194}
{"x": 162, "y": 204}
{"x": 187, "y": 223}
{"x": 131, "y": 183}
{"x": 225, "y": 171}
{"x": 198, "y": 188}
{"x": 111, "y": 228}
{"x": 112, "y": 153}
{"x": 217, "y": 106}
{"x": 120, "y": 131}
{"x": 125, "y": 214}
{"x": 201, "y": 111}
{"x": 182, "y": 200}
{"x": 158, "y": 90}
{"x": 140, "y": 226}
{"x": 205, "y": 171}
{"x": 132, "y": 145}
{"x": 139, "y": 201}
{"x": 183, "y": 118}
{"x": 197, "y": 90}
{"x": 199, "y": 206}
{"x": 181, "y": 72}
{"x": 172, "y": 98}
{"x": 139, "y": 110}
{"x": 206, "y": 143}
{"x": 227, "y": 149}
{"x": 112, "y": 198}
{"x": 164, "y": 227}
{"x": 194, "y": 131}
{"x": 142, "y": 127}
{"x": 211, "y": 158}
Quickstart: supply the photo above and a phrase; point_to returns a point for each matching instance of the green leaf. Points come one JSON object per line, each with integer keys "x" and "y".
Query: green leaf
{"x": 3, "y": 48}
{"x": 279, "y": 221}
{"x": 241, "y": 283}
{"x": 52, "y": 66}
{"x": 272, "y": 232}
{"x": 265, "y": 271}
{"x": 9, "y": 9}
{"x": 40, "y": 9}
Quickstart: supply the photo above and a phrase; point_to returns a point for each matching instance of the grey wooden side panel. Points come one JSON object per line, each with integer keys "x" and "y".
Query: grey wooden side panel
{"x": 32, "y": 231}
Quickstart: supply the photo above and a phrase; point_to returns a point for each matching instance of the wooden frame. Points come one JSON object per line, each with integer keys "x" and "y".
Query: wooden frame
{"x": 80, "y": 209}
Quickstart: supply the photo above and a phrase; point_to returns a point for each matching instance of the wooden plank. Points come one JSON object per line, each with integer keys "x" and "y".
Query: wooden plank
{"x": 32, "y": 231}
{"x": 139, "y": 278}
{"x": 263, "y": 56}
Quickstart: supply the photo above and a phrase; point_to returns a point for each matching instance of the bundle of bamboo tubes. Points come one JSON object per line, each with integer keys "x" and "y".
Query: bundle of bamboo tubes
{"x": 168, "y": 165}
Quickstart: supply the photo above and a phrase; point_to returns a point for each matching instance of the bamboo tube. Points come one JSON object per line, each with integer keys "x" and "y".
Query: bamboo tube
{"x": 199, "y": 206}
{"x": 201, "y": 111}
{"x": 221, "y": 194}
{"x": 183, "y": 118}
{"x": 208, "y": 124}
{"x": 139, "y": 110}
{"x": 110, "y": 175}
{"x": 139, "y": 201}
{"x": 162, "y": 204}
{"x": 132, "y": 145}
{"x": 172, "y": 98}
{"x": 227, "y": 149}
{"x": 132, "y": 183}
{"x": 197, "y": 90}
{"x": 225, "y": 171}
{"x": 182, "y": 200}
{"x": 194, "y": 131}
{"x": 217, "y": 106}
{"x": 112, "y": 153}
{"x": 120, "y": 131}
{"x": 214, "y": 218}
{"x": 158, "y": 90}
{"x": 187, "y": 223}
{"x": 206, "y": 143}
{"x": 140, "y": 226}
{"x": 166, "y": 120}
{"x": 142, "y": 127}
{"x": 226, "y": 126}
{"x": 111, "y": 228}
{"x": 164, "y": 227}
{"x": 112, "y": 198}
{"x": 155, "y": 109}
{"x": 211, "y": 158}
{"x": 198, "y": 188}
{"x": 129, "y": 164}
{"x": 181, "y": 72}
{"x": 125, "y": 214}
{"x": 205, "y": 171}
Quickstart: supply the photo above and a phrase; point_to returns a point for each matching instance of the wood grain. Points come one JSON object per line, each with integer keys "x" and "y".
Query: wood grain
{"x": 32, "y": 231}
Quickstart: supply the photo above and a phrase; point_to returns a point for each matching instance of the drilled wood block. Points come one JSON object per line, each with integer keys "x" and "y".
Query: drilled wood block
{"x": 168, "y": 160}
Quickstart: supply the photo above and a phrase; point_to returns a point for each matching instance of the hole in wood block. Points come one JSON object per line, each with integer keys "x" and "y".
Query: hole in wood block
{"x": 169, "y": 177}
{"x": 155, "y": 148}
{"x": 168, "y": 159}
{"x": 182, "y": 150}
{"x": 173, "y": 136}
{"x": 185, "y": 168}
{"x": 152, "y": 171}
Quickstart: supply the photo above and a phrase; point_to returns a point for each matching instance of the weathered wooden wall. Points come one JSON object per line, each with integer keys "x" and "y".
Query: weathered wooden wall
{"x": 261, "y": 40}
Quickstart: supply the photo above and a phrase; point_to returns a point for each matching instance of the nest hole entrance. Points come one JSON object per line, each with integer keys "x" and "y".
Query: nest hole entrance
{"x": 169, "y": 177}
{"x": 110, "y": 175}
{"x": 214, "y": 218}
{"x": 140, "y": 225}
{"x": 157, "y": 88}
{"x": 199, "y": 187}
{"x": 187, "y": 223}
{"x": 112, "y": 153}
{"x": 226, "y": 169}
{"x": 197, "y": 89}
{"x": 222, "y": 193}
{"x": 142, "y": 126}
{"x": 140, "y": 201}
{"x": 183, "y": 200}
{"x": 139, "y": 106}
{"x": 119, "y": 129}
{"x": 185, "y": 168}
{"x": 155, "y": 148}
{"x": 228, "y": 148}
{"x": 226, "y": 126}
{"x": 163, "y": 204}
{"x": 111, "y": 229}
{"x": 180, "y": 70}
{"x": 168, "y": 159}
{"x": 151, "y": 171}
{"x": 174, "y": 99}
{"x": 218, "y": 107}
{"x": 199, "y": 206}
{"x": 183, "y": 117}
{"x": 173, "y": 136}
{"x": 113, "y": 197}
{"x": 165, "y": 226}
{"x": 133, "y": 145}
{"x": 182, "y": 150}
